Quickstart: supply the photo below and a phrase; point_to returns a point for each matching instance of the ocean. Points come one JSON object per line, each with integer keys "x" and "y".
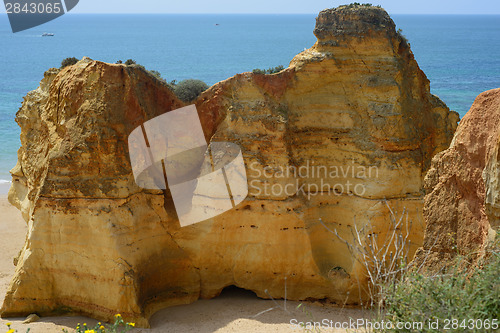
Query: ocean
{"x": 459, "y": 53}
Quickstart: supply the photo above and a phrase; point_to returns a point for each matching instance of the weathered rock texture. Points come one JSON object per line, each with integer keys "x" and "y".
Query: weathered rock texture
{"x": 462, "y": 206}
{"x": 94, "y": 237}
{"x": 98, "y": 244}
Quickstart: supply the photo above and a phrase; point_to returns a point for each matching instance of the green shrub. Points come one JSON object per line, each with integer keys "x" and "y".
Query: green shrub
{"x": 270, "y": 70}
{"x": 156, "y": 74}
{"x": 399, "y": 32}
{"x": 454, "y": 296}
{"x": 466, "y": 297}
{"x": 276, "y": 69}
{"x": 353, "y": 4}
{"x": 357, "y": 4}
{"x": 188, "y": 90}
{"x": 171, "y": 84}
{"x": 131, "y": 62}
{"x": 68, "y": 62}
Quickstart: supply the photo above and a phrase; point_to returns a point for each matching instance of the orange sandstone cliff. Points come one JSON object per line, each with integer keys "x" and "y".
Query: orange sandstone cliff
{"x": 353, "y": 112}
{"x": 462, "y": 208}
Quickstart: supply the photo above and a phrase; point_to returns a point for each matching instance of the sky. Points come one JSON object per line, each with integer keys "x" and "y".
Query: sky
{"x": 280, "y": 6}
{"x": 283, "y": 6}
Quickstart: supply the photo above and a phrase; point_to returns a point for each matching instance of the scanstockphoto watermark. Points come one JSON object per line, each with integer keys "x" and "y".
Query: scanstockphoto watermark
{"x": 442, "y": 325}
{"x": 310, "y": 179}
{"x": 354, "y": 324}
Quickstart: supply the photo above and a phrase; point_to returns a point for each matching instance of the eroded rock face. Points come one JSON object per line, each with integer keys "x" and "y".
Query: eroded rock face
{"x": 347, "y": 127}
{"x": 351, "y": 101}
{"x": 462, "y": 204}
{"x": 97, "y": 243}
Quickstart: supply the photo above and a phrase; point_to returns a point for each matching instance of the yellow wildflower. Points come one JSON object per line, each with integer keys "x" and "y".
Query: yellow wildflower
{"x": 132, "y": 324}
{"x": 10, "y": 331}
{"x": 89, "y": 331}
{"x": 118, "y": 315}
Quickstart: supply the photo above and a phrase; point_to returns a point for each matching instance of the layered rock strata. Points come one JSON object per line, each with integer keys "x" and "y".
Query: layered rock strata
{"x": 345, "y": 134}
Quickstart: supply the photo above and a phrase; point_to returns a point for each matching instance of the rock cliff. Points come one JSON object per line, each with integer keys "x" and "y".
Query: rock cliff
{"x": 345, "y": 132}
{"x": 462, "y": 207}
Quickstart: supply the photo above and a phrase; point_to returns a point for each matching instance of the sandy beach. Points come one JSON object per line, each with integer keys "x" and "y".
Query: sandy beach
{"x": 235, "y": 310}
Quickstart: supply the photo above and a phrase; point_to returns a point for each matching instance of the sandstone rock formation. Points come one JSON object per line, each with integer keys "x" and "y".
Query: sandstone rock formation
{"x": 462, "y": 206}
{"x": 88, "y": 221}
{"x": 346, "y": 131}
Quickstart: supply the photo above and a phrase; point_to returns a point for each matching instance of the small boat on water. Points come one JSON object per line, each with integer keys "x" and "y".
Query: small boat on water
{"x": 47, "y": 34}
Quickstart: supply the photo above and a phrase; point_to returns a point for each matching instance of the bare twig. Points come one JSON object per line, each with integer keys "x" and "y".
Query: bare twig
{"x": 385, "y": 261}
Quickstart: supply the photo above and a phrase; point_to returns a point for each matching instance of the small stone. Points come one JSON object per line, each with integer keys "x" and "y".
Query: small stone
{"x": 31, "y": 319}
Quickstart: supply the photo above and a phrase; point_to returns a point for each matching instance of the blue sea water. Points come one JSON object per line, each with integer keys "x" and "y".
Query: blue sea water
{"x": 459, "y": 54}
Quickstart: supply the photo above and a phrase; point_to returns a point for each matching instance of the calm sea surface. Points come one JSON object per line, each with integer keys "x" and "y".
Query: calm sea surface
{"x": 459, "y": 54}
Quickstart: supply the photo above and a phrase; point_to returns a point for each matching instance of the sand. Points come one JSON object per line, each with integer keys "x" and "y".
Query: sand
{"x": 235, "y": 310}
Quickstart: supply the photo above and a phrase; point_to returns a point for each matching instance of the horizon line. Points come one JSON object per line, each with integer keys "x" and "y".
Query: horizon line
{"x": 239, "y": 13}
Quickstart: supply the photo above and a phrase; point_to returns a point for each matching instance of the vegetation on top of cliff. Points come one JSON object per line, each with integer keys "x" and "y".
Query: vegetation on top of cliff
{"x": 399, "y": 32}
{"x": 270, "y": 70}
{"x": 357, "y": 4}
{"x": 188, "y": 90}
{"x": 131, "y": 62}
{"x": 127, "y": 62}
{"x": 68, "y": 62}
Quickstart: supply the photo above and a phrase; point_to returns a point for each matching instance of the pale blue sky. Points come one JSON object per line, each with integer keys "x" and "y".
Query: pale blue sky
{"x": 280, "y": 6}
{"x": 283, "y": 6}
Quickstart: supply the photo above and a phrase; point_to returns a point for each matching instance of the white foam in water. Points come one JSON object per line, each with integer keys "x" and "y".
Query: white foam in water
{"x": 4, "y": 187}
